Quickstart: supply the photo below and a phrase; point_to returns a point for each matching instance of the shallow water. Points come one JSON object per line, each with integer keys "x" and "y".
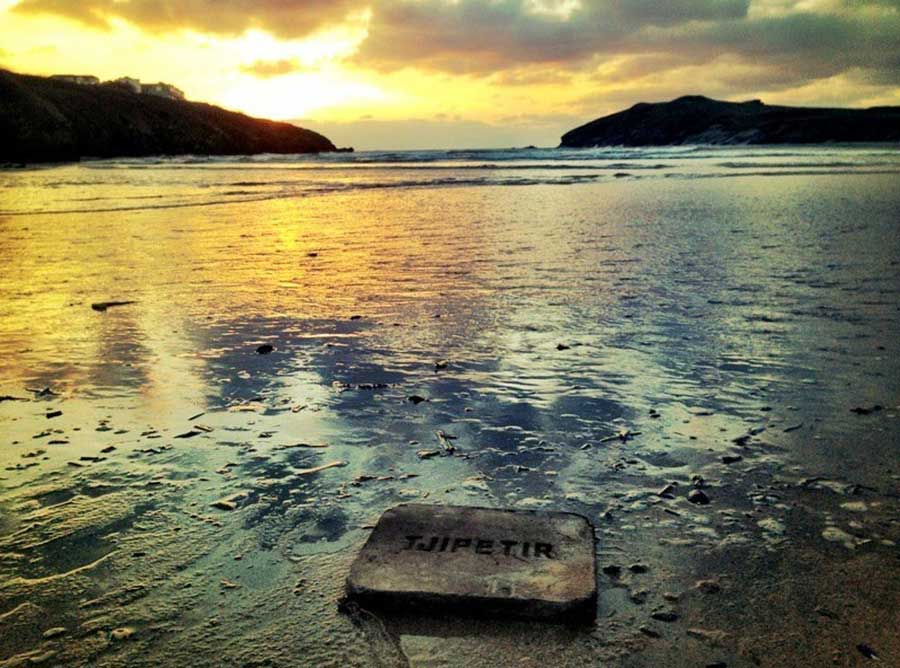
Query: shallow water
{"x": 701, "y": 303}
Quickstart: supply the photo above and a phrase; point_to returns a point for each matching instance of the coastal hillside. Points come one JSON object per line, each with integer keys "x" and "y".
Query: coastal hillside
{"x": 700, "y": 120}
{"x": 47, "y": 120}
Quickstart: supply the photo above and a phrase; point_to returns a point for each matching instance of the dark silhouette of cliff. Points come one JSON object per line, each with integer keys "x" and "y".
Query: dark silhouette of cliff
{"x": 45, "y": 120}
{"x": 696, "y": 119}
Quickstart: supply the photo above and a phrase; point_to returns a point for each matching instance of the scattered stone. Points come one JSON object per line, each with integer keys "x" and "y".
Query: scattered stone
{"x": 122, "y": 633}
{"x": 824, "y": 612}
{"x": 793, "y": 427}
{"x": 836, "y": 535}
{"x": 639, "y": 597}
{"x": 53, "y": 414}
{"x": 743, "y": 439}
{"x": 416, "y": 399}
{"x": 356, "y": 317}
{"x": 228, "y": 584}
{"x": 665, "y": 616}
{"x": 637, "y": 568}
{"x": 867, "y": 651}
{"x": 650, "y": 633}
{"x": 698, "y": 496}
{"x": 440, "y": 365}
{"x": 713, "y": 636}
{"x": 9, "y": 397}
{"x": 708, "y": 586}
{"x": 562, "y": 346}
{"x": 612, "y": 571}
{"x": 102, "y": 306}
{"x": 731, "y": 459}
{"x": 265, "y": 349}
{"x": 55, "y": 632}
{"x": 189, "y": 434}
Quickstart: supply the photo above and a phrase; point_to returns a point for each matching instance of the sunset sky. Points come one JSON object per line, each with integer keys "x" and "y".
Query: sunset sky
{"x": 464, "y": 73}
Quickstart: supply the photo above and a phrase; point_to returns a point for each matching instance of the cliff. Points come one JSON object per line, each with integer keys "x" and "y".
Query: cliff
{"x": 45, "y": 120}
{"x": 699, "y": 120}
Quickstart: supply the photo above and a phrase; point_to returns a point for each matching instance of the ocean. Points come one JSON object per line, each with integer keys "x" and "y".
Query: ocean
{"x": 601, "y": 331}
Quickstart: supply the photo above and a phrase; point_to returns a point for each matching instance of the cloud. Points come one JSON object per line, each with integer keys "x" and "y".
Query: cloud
{"x": 266, "y": 69}
{"x": 283, "y": 18}
{"x": 482, "y": 36}
{"x": 771, "y": 43}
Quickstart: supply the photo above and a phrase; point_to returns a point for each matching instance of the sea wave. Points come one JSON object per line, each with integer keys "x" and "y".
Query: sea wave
{"x": 192, "y": 181}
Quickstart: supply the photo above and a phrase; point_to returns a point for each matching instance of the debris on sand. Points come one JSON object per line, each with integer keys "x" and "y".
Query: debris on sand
{"x": 301, "y": 445}
{"x": 867, "y": 410}
{"x": 793, "y": 427}
{"x": 562, "y": 346}
{"x": 316, "y": 469}
{"x": 416, "y": 399}
{"x": 9, "y": 397}
{"x": 121, "y": 633}
{"x": 667, "y": 492}
{"x": 102, "y": 306}
{"x": 623, "y": 435}
{"x": 52, "y": 414}
{"x": 440, "y": 365}
{"x": 731, "y": 459}
{"x": 228, "y": 584}
{"x": 444, "y": 439}
{"x": 232, "y": 502}
{"x": 265, "y": 349}
{"x": 343, "y": 387}
{"x": 426, "y": 454}
{"x": 43, "y": 392}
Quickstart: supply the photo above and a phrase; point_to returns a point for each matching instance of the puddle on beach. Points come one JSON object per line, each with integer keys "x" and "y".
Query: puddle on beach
{"x": 170, "y": 496}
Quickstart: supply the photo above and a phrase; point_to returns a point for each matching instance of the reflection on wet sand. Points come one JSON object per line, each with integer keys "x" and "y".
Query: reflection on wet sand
{"x": 604, "y": 348}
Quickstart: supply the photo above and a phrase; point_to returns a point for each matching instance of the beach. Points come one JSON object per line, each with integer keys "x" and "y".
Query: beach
{"x": 187, "y": 475}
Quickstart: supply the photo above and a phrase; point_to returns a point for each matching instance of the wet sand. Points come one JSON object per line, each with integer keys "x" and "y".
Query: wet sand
{"x": 603, "y": 348}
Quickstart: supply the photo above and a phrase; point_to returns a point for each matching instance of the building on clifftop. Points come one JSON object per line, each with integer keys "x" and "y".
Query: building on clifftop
{"x": 163, "y": 90}
{"x": 83, "y": 79}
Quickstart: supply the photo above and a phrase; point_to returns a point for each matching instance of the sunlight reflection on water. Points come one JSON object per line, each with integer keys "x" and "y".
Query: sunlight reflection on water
{"x": 564, "y": 313}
